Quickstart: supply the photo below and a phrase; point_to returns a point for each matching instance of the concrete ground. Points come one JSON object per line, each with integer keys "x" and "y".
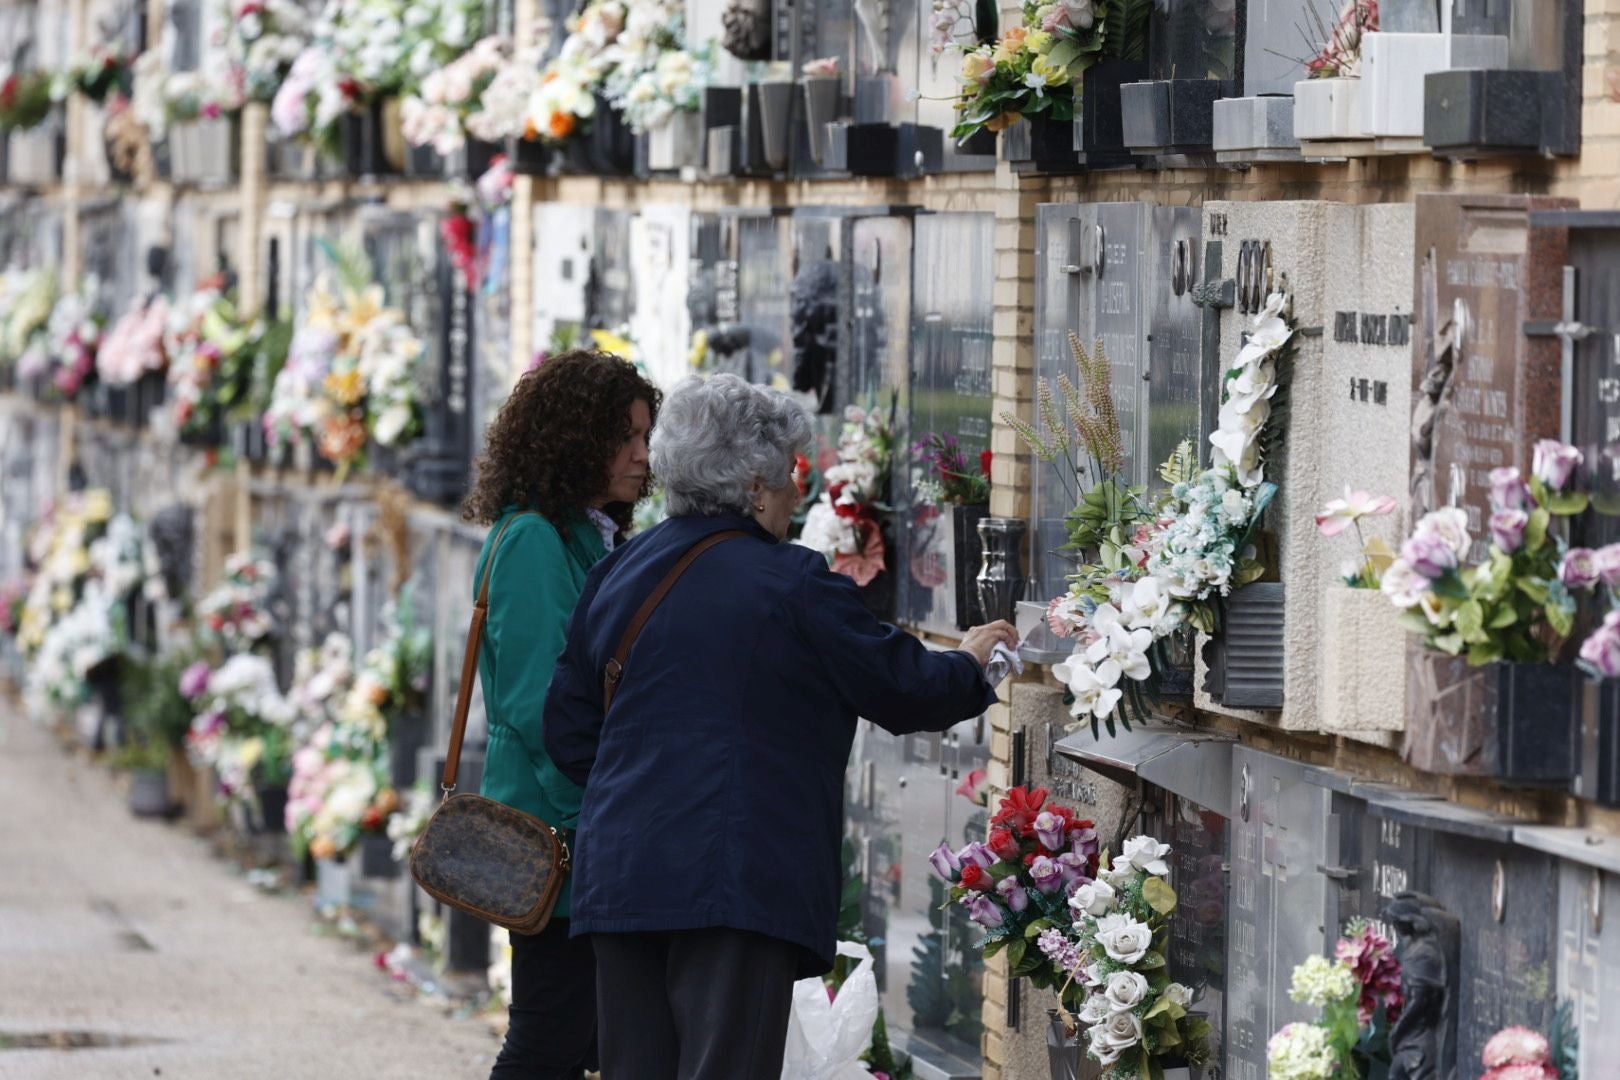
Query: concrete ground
{"x": 131, "y": 932}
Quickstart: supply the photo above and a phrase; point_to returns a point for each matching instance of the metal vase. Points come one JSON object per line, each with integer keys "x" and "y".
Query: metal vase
{"x": 775, "y": 120}
{"x": 149, "y": 793}
{"x": 1002, "y": 576}
{"x": 820, "y": 109}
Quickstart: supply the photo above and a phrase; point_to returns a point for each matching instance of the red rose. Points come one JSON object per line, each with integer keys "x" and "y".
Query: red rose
{"x": 1004, "y": 844}
{"x": 974, "y": 877}
{"x": 1019, "y": 808}
{"x": 984, "y": 464}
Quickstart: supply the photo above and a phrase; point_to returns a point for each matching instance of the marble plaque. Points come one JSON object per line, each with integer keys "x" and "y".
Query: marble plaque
{"x": 876, "y": 301}
{"x": 1594, "y": 254}
{"x": 1059, "y": 231}
{"x": 1274, "y": 45}
{"x": 953, "y": 278}
{"x": 1182, "y": 376}
{"x": 494, "y": 375}
{"x": 1589, "y": 959}
{"x": 1483, "y": 393}
{"x": 108, "y": 253}
{"x": 764, "y": 281}
{"x": 1193, "y": 39}
{"x": 563, "y": 241}
{"x": 660, "y": 238}
{"x": 609, "y": 287}
{"x": 1278, "y": 900}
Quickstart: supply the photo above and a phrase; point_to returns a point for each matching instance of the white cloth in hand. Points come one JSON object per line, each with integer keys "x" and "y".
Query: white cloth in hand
{"x": 1002, "y": 660}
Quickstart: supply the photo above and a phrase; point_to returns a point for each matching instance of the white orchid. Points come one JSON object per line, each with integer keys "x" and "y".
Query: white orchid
{"x": 1124, "y": 648}
{"x": 1094, "y": 689}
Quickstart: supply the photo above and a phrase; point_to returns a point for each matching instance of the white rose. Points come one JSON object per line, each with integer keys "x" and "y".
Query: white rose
{"x": 1093, "y": 898}
{"x": 1114, "y": 1036}
{"x": 1449, "y": 524}
{"x": 1123, "y": 938}
{"x": 1096, "y": 1010}
{"x": 1121, "y": 874}
{"x": 1125, "y": 990}
{"x": 1147, "y": 854}
{"x": 1178, "y": 995}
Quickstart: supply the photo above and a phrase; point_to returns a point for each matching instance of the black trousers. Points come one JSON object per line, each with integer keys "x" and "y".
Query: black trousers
{"x": 694, "y": 1004}
{"x": 552, "y": 1034}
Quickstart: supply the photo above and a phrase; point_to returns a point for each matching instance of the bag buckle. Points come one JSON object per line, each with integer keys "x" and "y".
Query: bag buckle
{"x": 613, "y": 671}
{"x": 448, "y": 789}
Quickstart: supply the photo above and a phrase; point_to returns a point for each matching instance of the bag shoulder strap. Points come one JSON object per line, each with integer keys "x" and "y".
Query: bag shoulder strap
{"x": 613, "y": 670}
{"x": 469, "y": 661}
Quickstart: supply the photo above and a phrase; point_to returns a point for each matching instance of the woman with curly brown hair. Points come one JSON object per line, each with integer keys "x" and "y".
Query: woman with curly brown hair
{"x": 564, "y": 464}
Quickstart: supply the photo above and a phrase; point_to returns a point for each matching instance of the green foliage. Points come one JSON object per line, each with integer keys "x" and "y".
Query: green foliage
{"x": 155, "y": 712}
{"x": 25, "y": 100}
{"x": 1127, "y": 28}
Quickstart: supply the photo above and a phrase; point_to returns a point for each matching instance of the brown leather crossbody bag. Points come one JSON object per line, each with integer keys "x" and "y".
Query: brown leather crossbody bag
{"x": 482, "y": 856}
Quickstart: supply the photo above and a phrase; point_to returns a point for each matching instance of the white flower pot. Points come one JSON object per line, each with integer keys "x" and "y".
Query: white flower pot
{"x": 1364, "y": 663}
{"x": 1328, "y": 110}
{"x": 677, "y": 144}
{"x": 31, "y": 156}
{"x": 1393, "y": 67}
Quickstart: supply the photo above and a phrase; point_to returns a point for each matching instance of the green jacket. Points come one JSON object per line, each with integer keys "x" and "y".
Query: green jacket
{"x": 537, "y": 578}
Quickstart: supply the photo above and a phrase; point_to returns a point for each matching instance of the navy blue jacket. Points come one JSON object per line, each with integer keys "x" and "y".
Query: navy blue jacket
{"x": 714, "y": 787}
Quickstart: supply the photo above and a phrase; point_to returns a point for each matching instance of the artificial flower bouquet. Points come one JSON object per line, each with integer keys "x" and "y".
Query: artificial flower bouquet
{"x": 1090, "y": 928}
{"x": 235, "y": 616}
{"x": 1151, "y": 570}
{"x": 948, "y": 478}
{"x": 1366, "y": 572}
{"x": 447, "y": 104}
{"x": 133, "y": 346}
{"x": 1519, "y": 602}
{"x": 1358, "y": 991}
{"x": 59, "y": 550}
{"x": 211, "y": 352}
{"x": 73, "y": 337}
{"x": 1340, "y": 54}
{"x": 843, "y": 523}
{"x": 26, "y": 100}
{"x": 261, "y": 39}
{"x": 351, "y": 371}
{"x": 242, "y": 727}
{"x": 1520, "y": 1053}
{"x": 1014, "y": 79}
{"x": 27, "y": 301}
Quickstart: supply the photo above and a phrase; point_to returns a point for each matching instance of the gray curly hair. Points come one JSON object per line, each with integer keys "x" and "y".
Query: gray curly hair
{"x": 716, "y": 436}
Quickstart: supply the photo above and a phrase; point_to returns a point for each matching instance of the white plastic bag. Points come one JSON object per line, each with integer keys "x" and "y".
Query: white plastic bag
{"x": 826, "y": 1039}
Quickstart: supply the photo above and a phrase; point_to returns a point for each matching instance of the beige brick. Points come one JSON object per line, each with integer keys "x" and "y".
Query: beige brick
{"x": 994, "y": 1050}
{"x": 1013, "y": 263}
{"x": 1009, "y": 322}
{"x": 1014, "y": 386}
{"x": 1600, "y": 119}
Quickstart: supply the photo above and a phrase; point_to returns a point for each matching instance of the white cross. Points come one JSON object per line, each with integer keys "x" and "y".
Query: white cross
{"x": 1569, "y": 330}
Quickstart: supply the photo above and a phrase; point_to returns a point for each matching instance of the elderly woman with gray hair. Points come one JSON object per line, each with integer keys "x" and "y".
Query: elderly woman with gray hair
{"x": 707, "y": 867}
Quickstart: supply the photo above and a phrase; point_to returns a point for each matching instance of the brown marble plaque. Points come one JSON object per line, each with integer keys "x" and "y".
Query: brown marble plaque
{"x": 1482, "y": 394}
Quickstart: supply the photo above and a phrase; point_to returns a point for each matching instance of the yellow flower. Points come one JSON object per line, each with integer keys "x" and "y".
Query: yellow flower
{"x": 700, "y": 348}
{"x": 79, "y": 562}
{"x": 323, "y": 307}
{"x": 1055, "y": 75}
{"x": 359, "y": 309}
{"x": 97, "y": 505}
{"x": 977, "y": 67}
{"x": 1038, "y": 41}
{"x": 346, "y": 387}
{"x": 613, "y": 343}
{"x": 62, "y": 599}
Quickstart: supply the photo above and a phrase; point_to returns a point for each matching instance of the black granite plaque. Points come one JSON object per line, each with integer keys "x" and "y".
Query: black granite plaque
{"x": 609, "y": 296}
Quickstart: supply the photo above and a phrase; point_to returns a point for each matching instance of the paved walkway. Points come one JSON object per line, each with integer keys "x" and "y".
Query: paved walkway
{"x": 130, "y": 929}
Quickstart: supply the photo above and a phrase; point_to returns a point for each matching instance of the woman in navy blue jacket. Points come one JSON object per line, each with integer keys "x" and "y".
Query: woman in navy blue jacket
{"x": 706, "y": 867}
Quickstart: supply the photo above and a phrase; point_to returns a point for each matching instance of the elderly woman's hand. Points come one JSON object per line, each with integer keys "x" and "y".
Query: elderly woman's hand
{"x": 982, "y": 639}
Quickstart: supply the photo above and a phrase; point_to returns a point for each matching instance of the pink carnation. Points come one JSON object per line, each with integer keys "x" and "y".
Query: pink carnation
{"x": 1521, "y": 1072}
{"x": 1516, "y": 1046}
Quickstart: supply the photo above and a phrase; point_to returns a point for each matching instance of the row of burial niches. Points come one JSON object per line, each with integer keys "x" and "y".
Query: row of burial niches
{"x": 1251, "y": 418}
{"x": 1237, "y": 82}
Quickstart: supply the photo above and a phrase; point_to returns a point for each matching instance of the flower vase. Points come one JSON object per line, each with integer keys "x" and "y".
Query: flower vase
{"x": 821, "y": 96}
{"x": 529, "y": 157}
{"x": 1363, "y": 663}
{"x": 1064, "y": 1050}
{"x": 477, "y": 157}
{"x": 150, "y": 391}
{"x": 609, "y": 144}
{"x": 677, "y": 144}
{"x": 879, "y": 594}
{"x": 1001, "y": 577}
{"x": 1040, "y": 143}
{"x": 423, "y": 163}
{"x": 271, "y": 819}
{"x": 377, "y": 857}
{"x": 1328, "y": 110}
{"x": 967, "y": 552}
{"x": 149, "y": 793}
{"x": 334, "y": 883}
{"x": 775, "y": 121}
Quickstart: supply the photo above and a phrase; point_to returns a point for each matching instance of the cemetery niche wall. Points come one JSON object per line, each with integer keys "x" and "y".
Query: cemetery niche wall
{"x": 1483, "y": 393}
{"x": 1193, "y": 61}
